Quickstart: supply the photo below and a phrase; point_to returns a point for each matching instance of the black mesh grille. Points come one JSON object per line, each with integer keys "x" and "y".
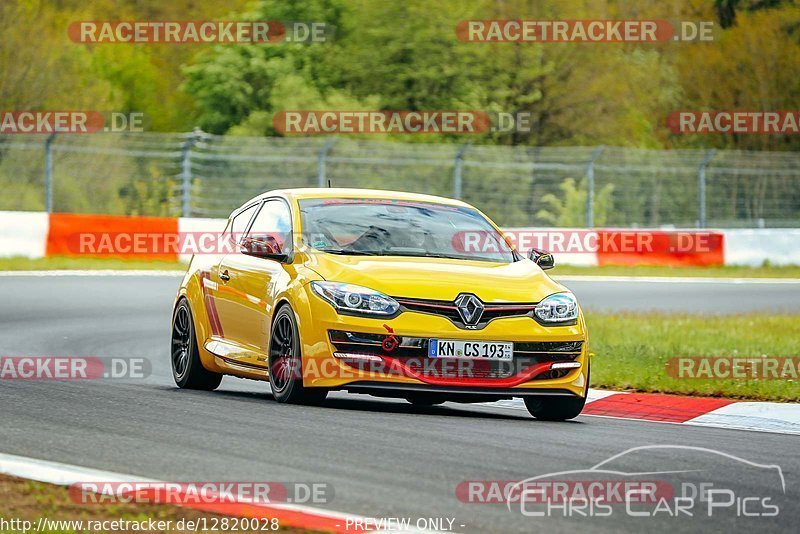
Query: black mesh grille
{"x": 448, "y": 309}
{"x": 413, "y": 351}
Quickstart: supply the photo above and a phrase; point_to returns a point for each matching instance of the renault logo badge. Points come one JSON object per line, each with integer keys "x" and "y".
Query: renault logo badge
{"x": 470, "y": 308}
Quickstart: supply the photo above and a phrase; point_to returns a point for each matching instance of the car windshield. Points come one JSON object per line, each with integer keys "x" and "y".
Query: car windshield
{"x": 385, "y": 227}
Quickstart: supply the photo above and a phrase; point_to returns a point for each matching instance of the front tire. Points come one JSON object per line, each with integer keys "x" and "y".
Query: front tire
{"x": 285, "y": 362}
{"x": 558, "y": 408}
{"x": 187, "y": 369}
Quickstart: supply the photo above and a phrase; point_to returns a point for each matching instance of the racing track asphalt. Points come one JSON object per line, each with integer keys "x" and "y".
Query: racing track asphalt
{"x": 382, "y": 458}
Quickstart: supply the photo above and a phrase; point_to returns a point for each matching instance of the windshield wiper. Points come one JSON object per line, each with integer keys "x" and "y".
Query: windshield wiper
{"x": 397, "y": 253}
{"x": 349, "y": 252}
{"x": 428, "y": 255}
{"x": 446, "y": 256}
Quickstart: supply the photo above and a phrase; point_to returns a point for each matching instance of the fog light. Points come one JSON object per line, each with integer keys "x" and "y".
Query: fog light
{"x": 565, "y": 365}
{"x": 356, "y": 356}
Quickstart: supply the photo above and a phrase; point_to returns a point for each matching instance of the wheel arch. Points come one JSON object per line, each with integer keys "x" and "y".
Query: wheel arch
{"x": 191, "y": 291}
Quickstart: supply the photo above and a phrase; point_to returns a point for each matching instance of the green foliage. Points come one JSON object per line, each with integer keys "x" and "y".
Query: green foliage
{"x": 405, "y": 55}
{"x": 43, "y": 69}
{"x": 570, "y": 209}
{"x": 751, "y": 66}
{"x": 148, "y": 192}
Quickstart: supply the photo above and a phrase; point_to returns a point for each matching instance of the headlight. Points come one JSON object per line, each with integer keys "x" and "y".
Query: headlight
{"x": 558, "y": 308}
{"x": 348, "y": 298}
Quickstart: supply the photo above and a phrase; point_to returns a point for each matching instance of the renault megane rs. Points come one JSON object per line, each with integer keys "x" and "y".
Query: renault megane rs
{"x": 384, "y": 293}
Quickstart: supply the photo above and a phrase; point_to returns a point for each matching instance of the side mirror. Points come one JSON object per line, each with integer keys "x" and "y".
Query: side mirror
{"x": 542, "y": 258}
{"x": 263, "y": 246}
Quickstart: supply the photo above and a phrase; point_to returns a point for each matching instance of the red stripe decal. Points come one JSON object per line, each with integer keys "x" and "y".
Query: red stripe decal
{"x": 213, "y": 316}
{"x": 211, "y": 320}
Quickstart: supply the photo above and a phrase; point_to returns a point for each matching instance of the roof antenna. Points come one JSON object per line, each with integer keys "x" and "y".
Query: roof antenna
{"x": 329, "y": 183}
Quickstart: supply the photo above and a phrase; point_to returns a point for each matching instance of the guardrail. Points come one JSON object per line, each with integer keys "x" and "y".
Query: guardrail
{"x": 198, "y": 174}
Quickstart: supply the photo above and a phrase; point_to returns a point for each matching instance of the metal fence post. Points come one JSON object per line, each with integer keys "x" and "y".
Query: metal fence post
{"x": 590, "y": 187}
{"x": 457, "y": 164}
{"x": 186, "y": 172}
{"x": 321, "y": 169}
{"x": 48, "y": 173}
{"x": 701, "y": 189}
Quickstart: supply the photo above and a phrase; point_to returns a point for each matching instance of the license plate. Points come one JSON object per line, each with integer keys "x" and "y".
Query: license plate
{"x": 477, "y": 350}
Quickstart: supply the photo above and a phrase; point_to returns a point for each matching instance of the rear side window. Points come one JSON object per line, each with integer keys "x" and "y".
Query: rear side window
{"x": 239, "y": 224}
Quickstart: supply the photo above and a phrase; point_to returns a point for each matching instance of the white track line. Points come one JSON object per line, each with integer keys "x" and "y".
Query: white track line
{"x": 777, "y": 417}
{"x": 518, "y": 404}
{"x": 97, "y": 272}
{"x": 65, "y": 475}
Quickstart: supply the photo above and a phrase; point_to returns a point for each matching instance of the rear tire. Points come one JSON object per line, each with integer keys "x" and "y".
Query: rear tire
{"x": 558, "y": 408}
{"x": 285, "y": 362}
{"x": 187, "y": 369}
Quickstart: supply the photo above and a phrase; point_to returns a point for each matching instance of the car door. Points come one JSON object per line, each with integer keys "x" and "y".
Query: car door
{"x": 248, "y": 280}
{"x": 222, "y": 304}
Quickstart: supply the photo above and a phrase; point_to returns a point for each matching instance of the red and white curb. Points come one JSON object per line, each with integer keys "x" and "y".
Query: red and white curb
{"x": 778, "y": 417}
{"x": 288, "y": 515}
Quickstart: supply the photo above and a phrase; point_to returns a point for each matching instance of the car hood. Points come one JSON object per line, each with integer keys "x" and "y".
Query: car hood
{"x": 439, "y": 278}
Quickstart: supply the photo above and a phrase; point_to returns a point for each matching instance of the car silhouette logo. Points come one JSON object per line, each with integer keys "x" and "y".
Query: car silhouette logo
{"x": 470, "y": 308}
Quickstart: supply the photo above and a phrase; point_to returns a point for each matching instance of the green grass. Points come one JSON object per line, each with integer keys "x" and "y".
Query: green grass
{"x": 18, "y": 263}
{"x": 28, "y": 500}
{"x": 632, "y": 351}
{"x": 767, "y": 271}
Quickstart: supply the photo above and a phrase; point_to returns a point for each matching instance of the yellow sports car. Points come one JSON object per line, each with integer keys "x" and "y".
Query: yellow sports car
{"x": 379, "y": 292}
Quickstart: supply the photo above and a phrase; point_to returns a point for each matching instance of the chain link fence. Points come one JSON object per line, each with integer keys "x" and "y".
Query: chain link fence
{"x": 200, "y": 175}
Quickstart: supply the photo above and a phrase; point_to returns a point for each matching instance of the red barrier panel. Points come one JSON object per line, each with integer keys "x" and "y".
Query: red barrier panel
{"x": 74, "y": 234}
{"x": 123, "y": 236}
{"x": 660, "y": 247}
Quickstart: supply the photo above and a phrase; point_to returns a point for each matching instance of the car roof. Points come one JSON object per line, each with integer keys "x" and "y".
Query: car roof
{"x": 343, "y": 192}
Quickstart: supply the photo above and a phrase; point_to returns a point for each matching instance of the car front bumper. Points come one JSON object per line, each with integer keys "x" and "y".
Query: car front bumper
{"x": 361, "y": 364}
